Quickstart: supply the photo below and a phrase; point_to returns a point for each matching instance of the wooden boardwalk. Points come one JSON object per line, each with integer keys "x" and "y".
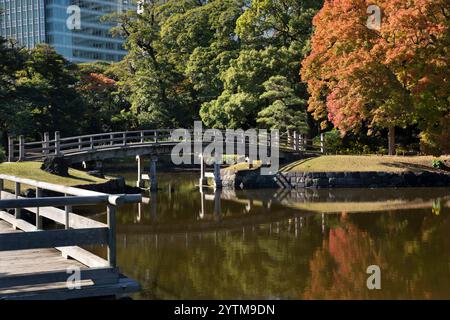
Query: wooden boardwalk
{"x": 50, "y": 264}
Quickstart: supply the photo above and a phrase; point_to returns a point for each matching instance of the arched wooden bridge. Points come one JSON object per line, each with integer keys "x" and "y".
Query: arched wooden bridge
{"x": 111, "y": 145}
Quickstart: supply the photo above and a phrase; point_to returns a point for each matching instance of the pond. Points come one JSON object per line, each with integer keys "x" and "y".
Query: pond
{"x": 275, "y": 244}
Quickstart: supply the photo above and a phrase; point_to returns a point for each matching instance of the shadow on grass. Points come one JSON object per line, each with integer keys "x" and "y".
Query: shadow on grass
{"x": 291, "y": 166}
{"x": 412, "y": 167}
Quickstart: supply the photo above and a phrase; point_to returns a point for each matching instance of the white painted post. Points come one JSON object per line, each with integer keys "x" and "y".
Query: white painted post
{"x": 156, "y": 136}
{"x": 10, "y": 149}
{"x": 124, "y": 138}
{"x": 139, "y": 182}
{"x": 142, "y": 137}
{"x": 80, "y": 143}
{"x": 57, "y": 143}
{"x": 322, "y": 143}
{"x": 21, "y": 148}
{"x": 111, "y": 213}
{"x": 302, "y": 142}
{"x": 91, "y": 141}
{"x": 153, "y": 181}
{"x": 46, "y": 143}
{"x": 38, "y": 217}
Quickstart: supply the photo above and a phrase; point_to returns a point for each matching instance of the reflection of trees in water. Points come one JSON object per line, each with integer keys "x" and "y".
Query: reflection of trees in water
{"x": 253, "y": 265}
{"x": 411, "y": 249}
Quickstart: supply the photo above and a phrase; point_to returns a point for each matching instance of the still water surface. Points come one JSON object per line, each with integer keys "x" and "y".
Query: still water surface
{"x": 275, "y": 244}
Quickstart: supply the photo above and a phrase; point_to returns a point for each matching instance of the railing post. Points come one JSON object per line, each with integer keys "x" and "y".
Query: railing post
{"x": 46, "y": 144}
{"x": 156, "y": 136}
{"x": 124, "y": 138}
{"x": 322, "y": 143}
{"x": 91, "y": 141}
{"x": 111, "y": 212}
{"x": 11, "y": 149}
{"x": 38, "y": 217}
{"x": 21, "y": 148}
{"x": 67, "y": 210}
{"x": 57, "y": 143}
{"x": 80, "y": 143}
{"x": 295, "y": 141}
{"x": 17, "y": 195}
{"x": 142, "y": 137}
{"x": 111, "y": 139}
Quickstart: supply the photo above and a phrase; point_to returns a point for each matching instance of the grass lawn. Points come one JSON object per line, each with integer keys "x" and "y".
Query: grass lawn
{"x": 365, "y": 163}
{"x": 32, "y": 170}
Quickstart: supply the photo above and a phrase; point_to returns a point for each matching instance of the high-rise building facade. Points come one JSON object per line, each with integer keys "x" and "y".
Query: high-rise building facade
{"x": 73, "y": 27}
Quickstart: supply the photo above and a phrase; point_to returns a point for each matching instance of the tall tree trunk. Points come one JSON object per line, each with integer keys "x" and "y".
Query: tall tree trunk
{"x": 391, "y": 141}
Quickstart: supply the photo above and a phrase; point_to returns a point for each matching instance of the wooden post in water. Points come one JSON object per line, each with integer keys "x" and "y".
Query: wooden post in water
{"x": 10, "y": 148}
{"x": 139, "y": 182}
{"x": 202, "y": 181}
{"x": 111, "y": 212}
{"x": 153, "y": 180}
{"x": 217, "y": 178}
{"x": 57, "y": 143}
{"x": 21, "y": 148}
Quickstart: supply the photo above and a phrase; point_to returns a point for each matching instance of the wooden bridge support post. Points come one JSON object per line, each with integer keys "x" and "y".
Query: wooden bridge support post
{"x": 153, "y": 180}
{"x": 10, "y": 148}
{"x": 203, "y": 181}
{"x": 46, "y": 143}
{"x": 21, "y": 148}
{"x": 57, "y": 143}
{"x": 217, "y": 205}
{"x": 111, "y": 212}
{"x": 2, "y": 185}
{"x": 217, "y": 178}
{"x": 139, "y": 182}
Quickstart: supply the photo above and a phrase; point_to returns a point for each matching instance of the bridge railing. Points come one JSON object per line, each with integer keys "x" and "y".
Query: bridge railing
{"x": 21, "y": 150}
{"x": 77, "y": 230}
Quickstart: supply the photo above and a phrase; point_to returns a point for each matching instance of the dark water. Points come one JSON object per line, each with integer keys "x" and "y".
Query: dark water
{"x": 288, "y": 245}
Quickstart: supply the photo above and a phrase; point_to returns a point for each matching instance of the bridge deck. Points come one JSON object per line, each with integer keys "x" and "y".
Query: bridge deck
{"x": 41, "y": 261}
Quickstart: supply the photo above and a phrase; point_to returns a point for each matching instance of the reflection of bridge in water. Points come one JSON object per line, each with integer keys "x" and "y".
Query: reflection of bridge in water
{"x": 269, "y": 207}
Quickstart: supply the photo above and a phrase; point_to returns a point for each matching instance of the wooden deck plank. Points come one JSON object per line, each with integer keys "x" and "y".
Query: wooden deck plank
{"x": 36, "y": 260}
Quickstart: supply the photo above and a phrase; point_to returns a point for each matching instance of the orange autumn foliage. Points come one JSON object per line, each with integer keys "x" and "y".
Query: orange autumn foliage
{"x": 397, "y": 75}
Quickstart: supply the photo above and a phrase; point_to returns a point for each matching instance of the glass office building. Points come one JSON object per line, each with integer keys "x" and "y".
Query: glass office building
{"x": 73, "y": 27}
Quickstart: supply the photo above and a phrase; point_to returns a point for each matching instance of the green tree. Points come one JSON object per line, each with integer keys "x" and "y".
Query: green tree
{"x": 12, "y": 59}
{"x": 274, "y": 37}
{"x": 46, "y": 86}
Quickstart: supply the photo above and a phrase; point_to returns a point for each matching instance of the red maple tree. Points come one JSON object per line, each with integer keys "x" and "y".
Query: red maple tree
{"x": 395, "y": 75}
